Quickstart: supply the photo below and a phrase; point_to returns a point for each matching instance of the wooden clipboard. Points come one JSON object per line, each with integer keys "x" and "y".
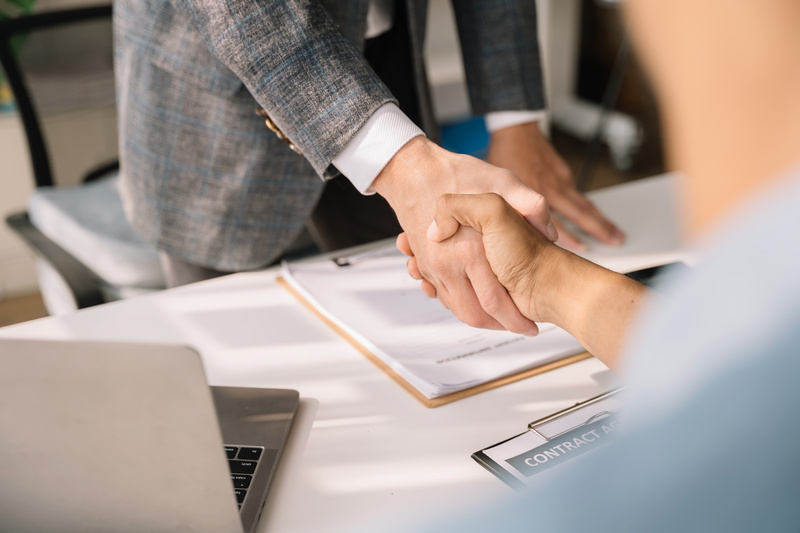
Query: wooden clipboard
{"x": 441, "y": 400}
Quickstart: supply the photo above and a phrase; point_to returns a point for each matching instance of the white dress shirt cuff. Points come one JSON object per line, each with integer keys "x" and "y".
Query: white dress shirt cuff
{"x": 363, "y": 158}
{"x": 498, "y": 120}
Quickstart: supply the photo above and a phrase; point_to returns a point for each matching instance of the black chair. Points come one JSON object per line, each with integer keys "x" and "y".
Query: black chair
{"x": 60, "y": 69}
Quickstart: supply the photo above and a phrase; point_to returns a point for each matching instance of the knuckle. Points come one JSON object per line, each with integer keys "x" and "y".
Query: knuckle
{"x": 491, "y": 302}
{"x": 562, "y": 171}
{"x": 468, "y": 249}
{"x": 443, "y": 203}
{"x": 541, "y": 204}
{"x": 508, "y": 175}
{"x": 495, "y": 202}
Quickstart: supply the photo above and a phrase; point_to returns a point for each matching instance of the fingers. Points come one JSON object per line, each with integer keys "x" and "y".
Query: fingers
{"x": 403, "y": 244}
{"x": 413, "y": 271}
{"x": 444, "y": 225}
{"x": 569, "y": 240}
{"x": 532, "y": 206}
{"x": 429, "y": 290}
{"x": 573, "y": 206}
{"x": 480, "y": 301}
{"x": 477, "y": 211}
{"x": 495, "y": 300}
{"x": 413, "y": 268}
{"x": 474, "y": 294}
{"x": 459, "y": 297}
{"x": 528, "y": 155}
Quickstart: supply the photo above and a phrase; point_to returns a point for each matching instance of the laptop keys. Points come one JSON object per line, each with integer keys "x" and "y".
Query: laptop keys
{"x": 241, "y": 481}
{"x": 243, "y": 461}
{"x": 242, "y": 467}
{"x": 251, "y": 454}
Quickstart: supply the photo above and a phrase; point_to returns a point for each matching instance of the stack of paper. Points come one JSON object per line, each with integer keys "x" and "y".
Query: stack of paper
{"x": 371, "y": 297}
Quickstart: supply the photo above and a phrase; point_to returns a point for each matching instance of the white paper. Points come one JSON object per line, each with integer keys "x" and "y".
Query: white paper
{"x": 376, "y": 302}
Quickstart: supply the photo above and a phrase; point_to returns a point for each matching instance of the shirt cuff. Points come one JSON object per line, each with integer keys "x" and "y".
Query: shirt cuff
{"x": 363, "y": 158}
{"x": 498, "y": 120}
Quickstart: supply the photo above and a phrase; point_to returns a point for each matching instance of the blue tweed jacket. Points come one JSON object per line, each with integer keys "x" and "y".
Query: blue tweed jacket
{"x": 202, "y": 177}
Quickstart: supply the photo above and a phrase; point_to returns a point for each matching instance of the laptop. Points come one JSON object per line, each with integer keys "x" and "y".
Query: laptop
{"x": 130, "y": 438}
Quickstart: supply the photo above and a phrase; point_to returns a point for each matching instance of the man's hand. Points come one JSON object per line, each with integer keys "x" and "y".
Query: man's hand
{"x": 523, "y": 150}
{"x": 546, "y": 283}
{"x": 522, "y": 259}
{"x": 457, "y": 271}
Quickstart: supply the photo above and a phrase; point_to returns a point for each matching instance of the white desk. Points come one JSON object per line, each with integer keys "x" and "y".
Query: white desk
{"x": 362, "y": 448}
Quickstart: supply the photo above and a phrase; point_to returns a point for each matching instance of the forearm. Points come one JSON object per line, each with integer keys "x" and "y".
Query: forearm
{"x": 594, "y": 304}
{"x": 295, "y": 61}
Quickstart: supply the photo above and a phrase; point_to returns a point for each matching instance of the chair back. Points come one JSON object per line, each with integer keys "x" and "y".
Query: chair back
{"x": 59, "y": 66}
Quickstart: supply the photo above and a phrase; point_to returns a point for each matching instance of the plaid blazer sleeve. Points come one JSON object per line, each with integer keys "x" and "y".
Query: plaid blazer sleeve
{"x": 500, "y": 46}
{"x": 298, "y": 65}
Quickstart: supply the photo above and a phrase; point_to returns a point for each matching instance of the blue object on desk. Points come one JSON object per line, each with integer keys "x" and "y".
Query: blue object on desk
{"x": 468, "y": 136}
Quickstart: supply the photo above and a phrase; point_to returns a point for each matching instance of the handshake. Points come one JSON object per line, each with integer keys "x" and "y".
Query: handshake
{"x": 490, "y": 255}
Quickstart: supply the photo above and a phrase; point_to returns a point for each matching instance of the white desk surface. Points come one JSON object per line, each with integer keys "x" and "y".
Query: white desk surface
{"x": 362, "y": 448}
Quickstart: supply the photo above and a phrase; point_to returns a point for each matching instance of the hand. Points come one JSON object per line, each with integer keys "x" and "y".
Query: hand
{"x": 523, "y": 150}
{"x": 457, "y": 271}
{"x": 546, "y": 283}
{"x": 520, "y": 257}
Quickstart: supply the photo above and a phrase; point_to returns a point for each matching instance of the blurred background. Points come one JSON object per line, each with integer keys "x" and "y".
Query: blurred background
{"x": 602, "y": 116}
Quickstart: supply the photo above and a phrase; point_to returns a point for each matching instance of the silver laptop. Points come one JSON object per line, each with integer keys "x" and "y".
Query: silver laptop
{"x": 130, "y": 438}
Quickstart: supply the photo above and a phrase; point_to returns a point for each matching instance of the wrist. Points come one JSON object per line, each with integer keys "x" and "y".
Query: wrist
{"x": 516, "y": 132}
{"x": 594, "y": 304}
{"x": 403, "y": 177}
{"x": 550, "y": 272}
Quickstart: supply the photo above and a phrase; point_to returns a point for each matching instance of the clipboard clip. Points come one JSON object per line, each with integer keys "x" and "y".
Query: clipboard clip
{"x": 598, "y": 416}
{"x": 537, "y": 425}
{"x": 357, "y": 258}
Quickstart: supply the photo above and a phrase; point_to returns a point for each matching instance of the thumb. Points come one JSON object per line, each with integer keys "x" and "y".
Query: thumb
{"x": 477, "y": 211}
{"x": 445, "y": 224}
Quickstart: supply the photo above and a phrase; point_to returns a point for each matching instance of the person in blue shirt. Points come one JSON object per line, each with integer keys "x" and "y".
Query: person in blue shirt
{"x": 712, "y": 359}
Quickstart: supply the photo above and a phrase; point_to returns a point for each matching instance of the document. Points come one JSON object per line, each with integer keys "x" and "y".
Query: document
{"x": 554, "y": 440}
{"x": 371, "y": 297}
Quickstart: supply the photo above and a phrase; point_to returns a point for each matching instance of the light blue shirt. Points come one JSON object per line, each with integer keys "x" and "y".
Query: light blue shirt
{"x": 713, "y": 418}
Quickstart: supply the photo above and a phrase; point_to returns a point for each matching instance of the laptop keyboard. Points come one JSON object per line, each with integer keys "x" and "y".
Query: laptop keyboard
{"x": 243, "y": 461}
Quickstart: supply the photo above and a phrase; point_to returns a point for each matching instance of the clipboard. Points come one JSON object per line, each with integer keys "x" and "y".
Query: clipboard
{"x": 554, "y": 440}
{"x": 366, "y": 296}
{"x": 408, "y": 387}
